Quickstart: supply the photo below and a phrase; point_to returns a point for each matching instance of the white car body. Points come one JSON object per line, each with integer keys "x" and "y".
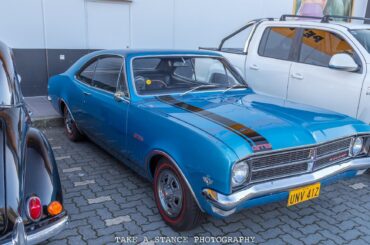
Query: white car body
{"x": 298, "y": 78}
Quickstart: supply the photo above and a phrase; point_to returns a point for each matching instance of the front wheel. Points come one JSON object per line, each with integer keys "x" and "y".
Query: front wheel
{"x": 70, "y": 126}
{"x": 174, "y": 200}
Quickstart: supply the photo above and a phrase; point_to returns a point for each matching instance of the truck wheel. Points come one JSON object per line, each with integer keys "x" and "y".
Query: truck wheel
{"x": 70, "y": 126}
{"x": 174, "y": 199}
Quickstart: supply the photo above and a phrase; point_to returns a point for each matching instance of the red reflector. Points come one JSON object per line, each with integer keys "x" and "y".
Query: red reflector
{"x": 34, "y": 210}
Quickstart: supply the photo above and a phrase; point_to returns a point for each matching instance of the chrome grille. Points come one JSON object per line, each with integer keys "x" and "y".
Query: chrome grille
{"x": 281, "y": 158}
{"x": 282, "y": 171}
{"x": 298, "y": 161}
{"x": 334, "y": 146}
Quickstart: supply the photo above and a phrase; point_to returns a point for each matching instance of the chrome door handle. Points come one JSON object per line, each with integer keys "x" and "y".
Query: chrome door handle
{"x": 298, "y": 76}
{"x": 86, "y": 93}
{"x": 368, "y": 91}
{"x": 254, "y": 67}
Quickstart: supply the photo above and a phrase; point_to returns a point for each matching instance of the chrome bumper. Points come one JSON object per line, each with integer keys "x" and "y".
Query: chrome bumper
{"x": 21, "y": 238}
{"x": 226, "y": 204}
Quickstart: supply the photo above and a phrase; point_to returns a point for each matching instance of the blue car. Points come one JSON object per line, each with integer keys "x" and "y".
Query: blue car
{"x": 187, "y": 121}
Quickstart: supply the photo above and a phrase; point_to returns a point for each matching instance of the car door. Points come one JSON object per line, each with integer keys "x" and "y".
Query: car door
{"x": 106, "y": 104}
{"x": 312, "y": 82}
{"x": 82, "y": 82}
{"x": 269, "y": 61}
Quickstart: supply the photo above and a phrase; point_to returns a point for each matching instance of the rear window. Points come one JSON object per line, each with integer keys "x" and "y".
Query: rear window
{"x": 5, "y": 90}
{"x": 87, "y": 74}
{"x": 277, "y": 42}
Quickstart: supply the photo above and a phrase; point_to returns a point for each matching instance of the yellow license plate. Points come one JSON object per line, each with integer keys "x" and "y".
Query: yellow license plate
{"x": 304, "y": 194}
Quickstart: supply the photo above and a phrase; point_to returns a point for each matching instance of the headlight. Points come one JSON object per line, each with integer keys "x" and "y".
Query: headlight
{"x": 357, "y": 146}
{"x": 239, "y": 173}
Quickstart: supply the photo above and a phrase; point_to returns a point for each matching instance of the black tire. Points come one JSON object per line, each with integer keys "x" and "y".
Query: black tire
{"x": 70, "y": 126}
{"x": 189, "y": 215}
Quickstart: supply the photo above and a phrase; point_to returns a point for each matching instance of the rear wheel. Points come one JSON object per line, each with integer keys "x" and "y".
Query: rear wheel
{"x": 70, "y": 126}
{"x": 174, "y": 200}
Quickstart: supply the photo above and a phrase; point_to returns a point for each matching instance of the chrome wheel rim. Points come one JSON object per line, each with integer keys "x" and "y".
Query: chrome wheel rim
{"x": 170, "y": 193}
{"x": 69, "y": 122}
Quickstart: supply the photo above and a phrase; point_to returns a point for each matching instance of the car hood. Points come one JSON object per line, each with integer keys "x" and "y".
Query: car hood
{"x": 249, "y": 123}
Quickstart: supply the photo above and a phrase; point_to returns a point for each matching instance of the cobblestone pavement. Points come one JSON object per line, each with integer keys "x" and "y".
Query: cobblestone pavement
{"x": 105, "y": 200}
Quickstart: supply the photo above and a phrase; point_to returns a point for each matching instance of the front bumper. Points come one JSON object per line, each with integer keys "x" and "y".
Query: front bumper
{"x": 225, "y": 205}
{"x": 39, "y": 235}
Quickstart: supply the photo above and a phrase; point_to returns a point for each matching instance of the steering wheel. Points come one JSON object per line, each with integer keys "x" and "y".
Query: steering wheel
{"x": 162, "y": 84}
{"x": 140, "y": 82}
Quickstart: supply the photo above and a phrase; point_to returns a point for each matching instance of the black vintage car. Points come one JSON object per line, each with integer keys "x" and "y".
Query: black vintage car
{"x": 31, "y": 202}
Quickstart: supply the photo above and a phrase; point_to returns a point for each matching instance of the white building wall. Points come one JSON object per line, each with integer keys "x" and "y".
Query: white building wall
{"x": 96, "y": 24}
{"x": 48, "y": 36}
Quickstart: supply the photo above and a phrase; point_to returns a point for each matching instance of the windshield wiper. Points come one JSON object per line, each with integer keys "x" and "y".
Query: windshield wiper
{"x": 199, "y": 87}
{"x": 235, "y": 86}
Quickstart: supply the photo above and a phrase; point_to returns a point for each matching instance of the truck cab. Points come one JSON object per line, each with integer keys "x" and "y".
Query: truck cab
{"x": 315, "y": 61}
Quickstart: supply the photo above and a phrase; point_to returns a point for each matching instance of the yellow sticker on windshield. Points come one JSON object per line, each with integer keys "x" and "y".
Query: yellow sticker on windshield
{"x": 148, "y": 82}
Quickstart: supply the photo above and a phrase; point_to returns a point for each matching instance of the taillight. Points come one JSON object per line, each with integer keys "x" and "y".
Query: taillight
{"x": 55, "y": 208}
{"x": 34, "y": 208}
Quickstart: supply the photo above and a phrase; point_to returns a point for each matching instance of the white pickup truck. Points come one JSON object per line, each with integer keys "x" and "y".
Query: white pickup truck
{"x": 316, "y": 62}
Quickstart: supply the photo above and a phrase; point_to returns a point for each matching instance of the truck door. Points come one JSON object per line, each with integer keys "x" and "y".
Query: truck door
{"x": 313, "y": 82}
{"x": 269, "y": 60}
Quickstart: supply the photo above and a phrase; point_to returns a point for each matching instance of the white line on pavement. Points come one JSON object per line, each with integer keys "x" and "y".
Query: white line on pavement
{"x": 118, "y": 220}
{"x": 99, "y": 199}
{"x": 70, "y": 170}
{"x": 86, "y": 182}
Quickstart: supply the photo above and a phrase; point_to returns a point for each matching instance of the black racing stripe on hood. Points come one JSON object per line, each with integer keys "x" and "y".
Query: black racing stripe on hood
{"x": 256, "y": 141}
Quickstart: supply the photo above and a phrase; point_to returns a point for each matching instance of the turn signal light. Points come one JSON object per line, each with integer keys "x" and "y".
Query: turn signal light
{"x": 34, "y": 208}
{"x": 55, "y": 208}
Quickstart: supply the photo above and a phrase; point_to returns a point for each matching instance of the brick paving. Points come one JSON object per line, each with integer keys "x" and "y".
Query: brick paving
{"x": 109, "y": 203}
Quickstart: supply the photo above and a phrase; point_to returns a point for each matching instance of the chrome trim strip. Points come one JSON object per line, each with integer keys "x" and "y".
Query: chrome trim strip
{"x": 20, "y": 237}
{"x": 158, "y": 152}
{"x": 47, "y": 232}
{"x": 228, "y": 202}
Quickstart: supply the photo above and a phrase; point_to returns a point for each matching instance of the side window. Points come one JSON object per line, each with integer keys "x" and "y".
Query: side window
{"x": 318, "y": 46}
{"x": 277, "y": 42}
{"x": 107, "y": 72}
{"x": 87, "y": 74}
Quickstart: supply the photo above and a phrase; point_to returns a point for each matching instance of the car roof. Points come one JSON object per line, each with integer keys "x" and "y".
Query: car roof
{"x": 155, "y": 52}
{"x": 333, "y": 24}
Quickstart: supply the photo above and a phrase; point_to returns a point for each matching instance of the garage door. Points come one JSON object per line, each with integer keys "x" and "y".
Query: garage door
{"x": 108, "y": 24}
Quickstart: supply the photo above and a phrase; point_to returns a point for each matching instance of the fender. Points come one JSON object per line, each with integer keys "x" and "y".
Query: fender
{"x": 166, "y": 155}
{"x": 41, "y": 169}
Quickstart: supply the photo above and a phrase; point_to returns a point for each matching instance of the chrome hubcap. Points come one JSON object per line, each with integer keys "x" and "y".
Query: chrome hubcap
{"x": 68, "y": 122}
{"x": 170, "y": 193}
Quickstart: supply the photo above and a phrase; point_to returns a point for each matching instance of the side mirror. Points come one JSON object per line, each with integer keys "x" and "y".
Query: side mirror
{"x": 343, "y": 62}
{"x": 118, "y": 96}
{"x": 19, "y": 78}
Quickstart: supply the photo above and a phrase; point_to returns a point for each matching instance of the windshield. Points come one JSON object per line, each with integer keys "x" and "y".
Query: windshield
{"x": 363, "y": 36}
{"x": 185, "y": 74}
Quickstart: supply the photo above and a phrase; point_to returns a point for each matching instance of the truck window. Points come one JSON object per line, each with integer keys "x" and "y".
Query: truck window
{"x": 318, "y": 46}
{"x": 277, "y": 42}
